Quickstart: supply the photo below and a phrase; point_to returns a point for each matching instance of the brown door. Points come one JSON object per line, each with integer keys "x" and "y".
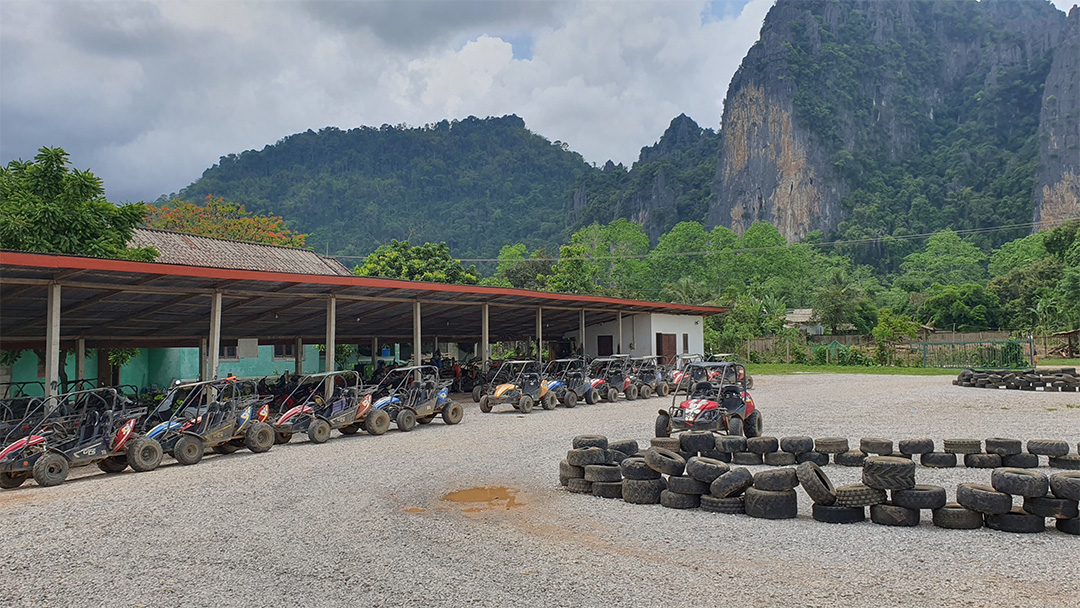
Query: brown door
{"x": 665, "y": 348}
{"x": 605, "y": 346}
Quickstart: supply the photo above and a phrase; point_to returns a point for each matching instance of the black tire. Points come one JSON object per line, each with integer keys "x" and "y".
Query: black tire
{"x": 762, "y": 445}
{"x": 1047, "y": 447}
{"x": 637, "y": 469}
{"x": 753, "y": 424}
{"x": 10, "y": 481}
{"x": 607, "y": 489}
{"x": 776, "y": 480}
{"x": 607, "y": 473}
{"x": 284, "y": 437}
{"x": 674, "y": 500}
{"x": 569, "y": 471}
{"x": 586, "y": 456}
{"x": 662, "y": 426}
{"x": 626, "y": 446}
{"x": 668, "y": 443}
{"x": 260, "y": 437}
{"x": 1058, "y": 508}
{"x": 592, "y": 397}
{"x": 1017, "y": 521}
{"x": 732, "y": 483}
{"x": 1065, "y": 485}
{"x": 570, "y": 399}
{"x": 1068, "y": 526}
{"x": 888, "y": 473}
{"x": 954, "y": 516}
{"x": 815, "y": 457}
{"x": 1003, "y": 447}
{"x": 477, "y": 392}
{"x": 1068, "y": 462}
{"x": 831, "y": 445}
{"x": 983, "y": 499}
{"x": 113, "y": 464}
{"x": 548, "y": 401}
{"x": 734, "y": 505}
{"x": 631, "y": 393}
{"x": 612, "y": 395}
{"x": 525, "y": 404}
{"x": 1020, "y": 461}
{"x": 643, "y": 491}
{"x": 962, "y": 446}
{"x": 749, "y": 382}
{"x": 724, "y": 457}
{"x": 765, "y": 504}
{"x": 850, "y": 458}
{"x": 746, "y": 458}
{"x": 886, "y": 514}
{"x": 665, "y": 389}
{"x": 735, "y": 427}
{"x": 665, "y": 461}
{"x": 938, "y": 460}
{"x": 351, "y": 429}
{"x": 859, "y": 495}
{"x": 425, "y": 419}
{"x": 797, "y": 444}
{"x": 646, "y": 392}
{"x": 705, "y": 470}
{"x": 686, "y": 485}
{"x": 51, "y": 469}
{"x": 816, "y": 484}
{"x": 830, "y": 514}
{"x": 731, "y": 443}
{"x": 1020, "y": 482}
{"x": 406, "y": 421}
{"x": 188, "y": 450}
{"x": 377, "y": 422}
{"x": 579, "y": 486}
{"x": 229, "y": 447}
{"x": 485, "y": 404}
{"x": 916, "y": 446}
{"x": 697, "y": 441}
{"x": 452, "y": 413}
{"x": 982, "y": 461}
{"x": 144, "y": 454}
{"x": 589, "y": 441}
{"x": 876, "y": 445}
{"x": 920, "y": 497}
{"x": 779, "y": 459}
{"x": 319, "y": 431}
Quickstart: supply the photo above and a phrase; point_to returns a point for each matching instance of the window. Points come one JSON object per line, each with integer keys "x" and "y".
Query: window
{"x": 284, "y": 351}
{"x": 227, "y": 352}
{"x": 685, "y": 343}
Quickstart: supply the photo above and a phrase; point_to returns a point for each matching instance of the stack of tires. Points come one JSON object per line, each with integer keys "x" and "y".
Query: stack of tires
{"x": 1041, "y": 500}
{"x": 773, "y": 494}
{"x": 826, "y": 507}
{"x": 592, "y": 466}
{"x": 693, "y": 443}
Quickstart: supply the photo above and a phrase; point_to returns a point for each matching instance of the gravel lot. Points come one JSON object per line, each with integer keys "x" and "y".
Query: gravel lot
{"x": 360, "y": 521}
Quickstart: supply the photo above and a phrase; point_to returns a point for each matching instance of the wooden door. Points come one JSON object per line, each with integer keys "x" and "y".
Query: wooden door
{"x": 665, "y": 348}
{"x": 605, "y": 346}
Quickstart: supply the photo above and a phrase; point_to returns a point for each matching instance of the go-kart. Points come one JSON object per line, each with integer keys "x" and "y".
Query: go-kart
{"x": 348, "y": 409}
{"x": 485, "y": 382}
{"x": 711, "y": 404}
{"x": 568, "y": 381}
{"x": 609, "y": 378}
{"x": 648, "y": 377}
{"x": 732, "y": 358}
{"x": 523, "y": 388}
{"x": 415, "y": 395}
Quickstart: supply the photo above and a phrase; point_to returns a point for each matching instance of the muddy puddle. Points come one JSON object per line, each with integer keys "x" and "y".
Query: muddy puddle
{"x": 485, "y": 498}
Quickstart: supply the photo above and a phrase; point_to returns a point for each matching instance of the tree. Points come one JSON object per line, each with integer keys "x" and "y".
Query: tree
{"x": 891, "y": 328}
{"x": 427, "y": 262}
{"x": 222, "y": 219}
{"x": 49, "y": 208}
{"x": 946, "y": 259}
{"x": 969, "y": 307}
{"x": 517, "y": 269}
{"x": 837, "y": 302}
{"x": 572, "y": 273}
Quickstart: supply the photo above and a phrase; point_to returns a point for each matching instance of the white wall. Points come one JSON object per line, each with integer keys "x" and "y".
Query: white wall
{"x": 693, "y": 326}
{"x": 640, "y": 331}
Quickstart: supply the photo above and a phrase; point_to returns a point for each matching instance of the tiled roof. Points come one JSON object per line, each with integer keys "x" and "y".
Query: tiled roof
{"x": 800, "y": 315}
{"x": 196, "y": 250}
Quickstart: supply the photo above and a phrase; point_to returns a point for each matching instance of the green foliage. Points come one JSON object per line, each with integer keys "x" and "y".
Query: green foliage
{"x": 891, "y": 328}
{"x": 837, "y": 302}
{"x": 572, "y": 273}
{"x": 118, "y": 357}
{"x": 518, "y": 269}
{"x": 969, "y": 307}
{"x": 427, "y": 262}
{"x": 947, "y": 260}
{"x": 48, "y": 208}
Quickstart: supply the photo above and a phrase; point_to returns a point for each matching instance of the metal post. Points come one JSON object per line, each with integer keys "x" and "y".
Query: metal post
{"x": 80, "y": 359}
{"x": 204, "y": 348}
{"x": 298, "y": 356}
{"x": 52, "y": 341}
{"x": 540, "y": 333}
{"x": 214, "y": 345}
{"x": 416, "y": 332}
{"x": 581, "y": 331}
{"x": 485, "y": 337}
{"x": 374, "y": 353}
{"x": 618, "y": 349}
{"x": 331, "y": 334}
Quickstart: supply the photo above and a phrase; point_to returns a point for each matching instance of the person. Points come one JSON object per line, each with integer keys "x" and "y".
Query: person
{"x": 436, "y": 360}
{"x": 380, "y": 371}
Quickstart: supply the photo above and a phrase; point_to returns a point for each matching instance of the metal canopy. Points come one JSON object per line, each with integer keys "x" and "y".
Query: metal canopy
{"x": 117, "y": 303}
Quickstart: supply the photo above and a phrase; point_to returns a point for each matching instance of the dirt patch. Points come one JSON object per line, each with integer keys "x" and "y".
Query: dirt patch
{"x": 485, "y": 498}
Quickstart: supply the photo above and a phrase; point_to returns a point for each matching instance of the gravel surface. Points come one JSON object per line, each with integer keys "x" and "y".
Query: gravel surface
{"x": 361, "y": 521}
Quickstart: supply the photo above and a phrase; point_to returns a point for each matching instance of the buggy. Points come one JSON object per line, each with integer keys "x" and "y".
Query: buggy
{"x": 732, "y": 358}
{"x": 647, "y": 375}
{"x": 522, "y": 388}
{"x": 568, "y": 381}
{"x": 712, "y": 403}
{"x": 609, "y": 378}
{"x": 415, "y": 395}
{"x": 76, "y": 429}
{"x": 348, "y": 409}
{"x": 485, "y": 382}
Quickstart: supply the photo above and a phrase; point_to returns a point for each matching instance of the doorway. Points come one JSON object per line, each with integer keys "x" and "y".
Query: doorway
{"x": 665, "y": 348}
{"x": 605, "y": 346}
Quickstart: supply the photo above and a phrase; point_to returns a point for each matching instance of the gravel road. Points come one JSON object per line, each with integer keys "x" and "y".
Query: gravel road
{"x": 360, "y": 520}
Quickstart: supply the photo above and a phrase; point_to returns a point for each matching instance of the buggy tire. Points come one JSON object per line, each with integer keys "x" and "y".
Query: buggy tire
{"x": 188, "y": 450}
{"x": 796, "y": 445}
{"x": 1068, "y": 462}
{"x": 1020, "y": 461}
{"x": 586, "y": 456}
{"x": 1003, "y": 447}
{"x": 226, "y": 448}
{"x": 525, "y": 404}
{"x": 589, "y": 441}
{"x": 668, "y": 443}
{"x": 485, "y": 404}
{"x": 570, "y": 399}
{"x": 607, "y": 489}
{"x": 452, "y": 413}
{"x": 10, "y": 481}
{"x": 705, "y": 470}
{"x": 569, "y": 471}
{"x": 732, "y": 483}
{"x": 962, "y": 446}
{"x": 144, "y": 454}
{"x": 1016, "y": 520}
{"x": 911, "y": 447}
{"x": 816, "y": 484}
{"x": 637, "y": 469}
{"x": 631, "y": 393}
{"x": 815, "y": 457}
{"x": 753, "y": 425}
{"x": 477, "y": 392}
{"x": 351, "y": 429}
{"x": 260, "y": 437}
{"x": 831, "y": 514}
{"x": 606, "y": 473}
{"x": 749, "y": 382}
{"x": 831, "y": 445}
{"x": 747, "y": 458}
{"x": 1020, "y": 482}
{"x": 1058, "y": 508}
{"x": 850, "y": 458}
{"x": 578, "y": 485}
{"x": 686, "y": 485}
{"x": 665, "y": 389}
{"x": 938, "y": 460}
{"x": 735, "y": 427}
{"x": 662, "y": 426}
{"x": 888, "y": 473}
{"x": 113, "y": 464}
{"x": 776, "y": 480}
{"x": 954, "y": 516}
{"x": 286, "y": 437}
{"x": 612, "y": 395}
{"x": 665, "y": 461}
{"x": 51, "y": 469}
{"x": 765, "y": 504}
{"x": 983, "y": 499}
{"x": 642, "y": 491}
{"x": 982, "y": 461}
{"x": 592, "y": 397}
{"x": 859, "y": 495}
{"x": 425, "y": 419}
{"x": 762, "y": 445}
{"x": 646, "y": 392}
{"x": 406, "y": 421}
{"x": 548, "y": 401}
{"x": 731, "y": 443}
{"x": 779, "y": 459}
{"x": 734, "y": 505}
{"x": 876, "y": 445}
{"x": 1047, "y": 447}
{"x": 319, "y": 431}
{"x": 1068, "y": 526}
{"x": 626, "y": 446}
{"x": 887, "y": 514}
{"x": 697, "y": 441}
{"x": 920, "y": 497}
{"x": 675, "y": 500}
{"x": 377, "y": 422}
{"x": 1065, "y": 485}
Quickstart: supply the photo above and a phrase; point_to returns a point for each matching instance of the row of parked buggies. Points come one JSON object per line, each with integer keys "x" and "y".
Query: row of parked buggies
{"x": 44, "y": 437}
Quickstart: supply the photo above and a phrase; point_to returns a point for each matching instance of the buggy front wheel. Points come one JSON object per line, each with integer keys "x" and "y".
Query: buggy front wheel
{"x": 549, "y": 402}
{"x": 612, "y": 395}
{"x": 631, "y": 392}
{"x": 592, "y": 396}
{"x": 525, "y": 404}
{"x": 485, "y": 404}
{"x": 663, "y": 426}
{"x": 260, "y": 438}
{"x": 570, "y": 399}
{"x": 188, "y": 450}
{"x": 477, "y": 392}
{"x": 51, "y": 470}
{"x": 753, "y": 424}
{"x": 10, "y": 481}
{"x": 453, "y": 413}
{"x": 144, "y": 454}
{"x": 735, "y": 426}
{"x": 113, "y": 464}
{"x": 665, "y": 389}
{"x": 406, "y": 420}
{"x": 646, "y": 392}
{"x": 377, "y": 422}
{"x": 319, "y": 431}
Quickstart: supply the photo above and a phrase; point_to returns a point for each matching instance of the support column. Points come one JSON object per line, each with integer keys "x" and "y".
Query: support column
{"x": 581, "y": 331}
{"x": 80, "y": 359}
{"x": 485, "y": 337}
{"x": 204, "y": 349}
{"x": 298, "y": 356}
{"x": 331, "y": 334}
{"x": 214, "y": 342}
{"x": 416, "y": 332}
{"x": 374, "y": 353}
{"x": 540, "y": 334}
{"x": 52, "y": 341}
{"x": 618, "y": 348}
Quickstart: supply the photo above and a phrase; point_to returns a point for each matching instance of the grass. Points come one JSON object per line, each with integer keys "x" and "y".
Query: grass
{"x": 770, "y": 369}
{"x": 1058, "y": 362}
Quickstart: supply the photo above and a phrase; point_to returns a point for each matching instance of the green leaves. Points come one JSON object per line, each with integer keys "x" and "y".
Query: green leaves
{"x": 428, "y": 262}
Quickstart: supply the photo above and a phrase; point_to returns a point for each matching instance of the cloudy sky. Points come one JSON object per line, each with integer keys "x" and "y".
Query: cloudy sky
{"x": 149, "y": 94}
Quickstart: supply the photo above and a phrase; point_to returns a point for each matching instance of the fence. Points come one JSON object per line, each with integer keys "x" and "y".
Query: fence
{"x": 984, "y": 354}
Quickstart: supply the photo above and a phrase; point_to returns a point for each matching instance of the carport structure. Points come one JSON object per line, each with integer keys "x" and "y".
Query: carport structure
{"x": 52, "y": 302}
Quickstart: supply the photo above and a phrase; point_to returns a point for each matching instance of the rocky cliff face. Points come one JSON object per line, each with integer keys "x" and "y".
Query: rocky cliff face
{"x": 835, "y": 91}
{"x": 1057, "y": 190}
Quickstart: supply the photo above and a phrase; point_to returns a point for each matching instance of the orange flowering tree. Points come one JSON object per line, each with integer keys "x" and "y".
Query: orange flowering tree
{"x": 220, "y": 218}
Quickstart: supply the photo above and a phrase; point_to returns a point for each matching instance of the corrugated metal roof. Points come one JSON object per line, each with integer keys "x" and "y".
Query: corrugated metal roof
{"x": 197, "y": 250}
{"x": 800, "y": 315}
